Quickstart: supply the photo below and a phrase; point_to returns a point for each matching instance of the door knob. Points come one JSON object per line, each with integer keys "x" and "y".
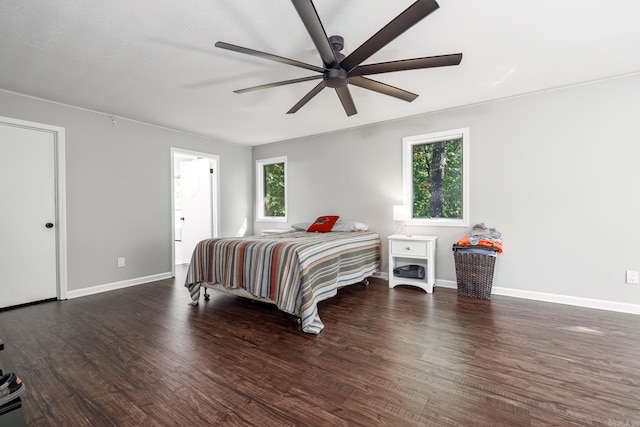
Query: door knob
{"x": 49, "y": 225}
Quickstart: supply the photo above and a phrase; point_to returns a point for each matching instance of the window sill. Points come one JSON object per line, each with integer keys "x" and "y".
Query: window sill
{"x": 437, "y": 223}
{"x": 273, "y": 219}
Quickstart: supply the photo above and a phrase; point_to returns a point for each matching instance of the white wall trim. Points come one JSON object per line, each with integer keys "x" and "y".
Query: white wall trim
{"x": 115, "y": 116}
{"x": 382, "y": 275}
{"x": 620, "y": 307}
{"x": 448, "y": 284}
{"x": 431, "y": 113}
{"x": 117, "y": 285}
{"x": 61, "y": 206}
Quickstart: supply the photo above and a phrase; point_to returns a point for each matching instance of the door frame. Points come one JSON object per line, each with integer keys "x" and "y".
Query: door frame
{"x": 215, "y": 196}
{"x": 60, "y": 196}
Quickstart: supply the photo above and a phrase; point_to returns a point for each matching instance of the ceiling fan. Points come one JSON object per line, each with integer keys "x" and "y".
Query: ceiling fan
{"x": 339, "y": 71}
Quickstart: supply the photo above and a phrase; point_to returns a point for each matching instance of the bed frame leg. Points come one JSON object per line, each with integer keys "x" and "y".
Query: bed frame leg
{"x": 295, "y": 319}
{"x": 207, "y": 296}
{"x": 365, "y": 282}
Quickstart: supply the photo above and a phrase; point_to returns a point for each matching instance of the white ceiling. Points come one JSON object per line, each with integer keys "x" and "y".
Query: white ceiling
{"x": 155, "y": 61}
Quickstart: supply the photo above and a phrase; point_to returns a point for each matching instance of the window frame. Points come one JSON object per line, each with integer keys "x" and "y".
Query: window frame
{"x": 407, "y": 175}
{"x": 260, "y": 190}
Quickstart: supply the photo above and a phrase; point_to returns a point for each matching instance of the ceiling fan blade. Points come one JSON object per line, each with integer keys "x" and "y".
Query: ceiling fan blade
{"x": 276, "y": 84}
{"x": 407, "y": 64}
{"x": 246, "y": 50}
{"x": 383, "y": 88}
{"x": 316, "y": 90}
{"x": 411, "y": 16}
{"x": 312, "y": 23}
{"x": 346, "y": 100}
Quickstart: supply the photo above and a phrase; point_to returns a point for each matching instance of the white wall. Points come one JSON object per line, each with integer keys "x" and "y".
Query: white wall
{"x": 555, "y": 172}
{"x": 119, "y": 190}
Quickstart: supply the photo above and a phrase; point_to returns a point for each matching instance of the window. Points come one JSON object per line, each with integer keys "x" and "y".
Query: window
{"x": 435, "y": 169}
{"x": 271, "y": 189}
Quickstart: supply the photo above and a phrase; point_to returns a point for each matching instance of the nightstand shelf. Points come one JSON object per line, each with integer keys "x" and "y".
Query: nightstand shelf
{"x": 417, "y": 250}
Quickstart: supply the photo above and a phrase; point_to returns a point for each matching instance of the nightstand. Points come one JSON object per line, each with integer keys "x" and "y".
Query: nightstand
{"x": 418, "y": 250}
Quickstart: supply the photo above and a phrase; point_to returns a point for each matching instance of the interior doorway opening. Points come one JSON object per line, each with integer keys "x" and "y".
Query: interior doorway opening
{"x": 194, "y": 201}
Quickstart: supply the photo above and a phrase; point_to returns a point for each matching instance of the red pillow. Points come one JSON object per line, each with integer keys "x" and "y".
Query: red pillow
{"x": 323, "y": 224}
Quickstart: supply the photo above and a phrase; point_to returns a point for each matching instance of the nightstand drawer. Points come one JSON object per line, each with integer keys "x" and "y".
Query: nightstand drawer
{"x": 408, "y": 248}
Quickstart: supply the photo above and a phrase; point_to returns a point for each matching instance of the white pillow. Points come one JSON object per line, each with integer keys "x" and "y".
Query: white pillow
{"x": 341, "y": 225}
{"x": 301, "y": 226}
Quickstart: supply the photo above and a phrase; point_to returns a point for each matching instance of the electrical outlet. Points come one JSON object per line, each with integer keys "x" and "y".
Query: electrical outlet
{"x": 632, "y": 277}
{"x": 121, "y": 262}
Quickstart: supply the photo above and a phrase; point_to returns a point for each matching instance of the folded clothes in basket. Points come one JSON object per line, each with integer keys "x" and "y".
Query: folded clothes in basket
{"x": 478, "y": 249}
{"x": 481, "y": 235}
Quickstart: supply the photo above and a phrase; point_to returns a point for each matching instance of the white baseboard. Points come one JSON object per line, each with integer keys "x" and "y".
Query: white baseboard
{"x": 381, "y": 275}
{"x": 555, "y": 298}
{"x": 515, "y": 293}
{"x": 116, "y": 285}
{"x": 446, "y": 284}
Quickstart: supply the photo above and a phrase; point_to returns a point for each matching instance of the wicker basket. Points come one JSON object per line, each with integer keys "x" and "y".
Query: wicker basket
{"x": 474, "y": 274}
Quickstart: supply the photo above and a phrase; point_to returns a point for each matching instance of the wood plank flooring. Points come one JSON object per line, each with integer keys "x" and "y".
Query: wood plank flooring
{"x": 142, "y": 356}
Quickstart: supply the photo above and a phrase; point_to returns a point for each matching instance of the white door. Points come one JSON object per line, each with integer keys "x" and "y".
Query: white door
{"x": 196, "y": 199}
{"x": 28, "y": 263}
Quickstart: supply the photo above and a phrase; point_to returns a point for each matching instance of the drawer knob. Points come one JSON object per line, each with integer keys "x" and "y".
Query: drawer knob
{"x": 408, "y": 248}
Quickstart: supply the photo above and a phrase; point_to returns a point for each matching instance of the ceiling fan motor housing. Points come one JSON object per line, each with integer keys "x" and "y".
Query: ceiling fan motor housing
{"x": 336, "y": 77}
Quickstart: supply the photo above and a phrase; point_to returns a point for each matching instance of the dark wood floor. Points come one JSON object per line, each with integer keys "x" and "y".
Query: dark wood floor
{"x": 143, "y": 356}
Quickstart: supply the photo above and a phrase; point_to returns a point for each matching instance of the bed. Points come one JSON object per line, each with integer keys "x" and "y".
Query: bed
{"x": 293, "y": 270}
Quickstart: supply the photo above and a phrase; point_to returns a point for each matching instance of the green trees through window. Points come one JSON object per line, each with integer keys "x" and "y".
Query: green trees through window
{"x": 435, "y": 177}
{"x": 271, "y": 189}
{"x": 274, "y": 190}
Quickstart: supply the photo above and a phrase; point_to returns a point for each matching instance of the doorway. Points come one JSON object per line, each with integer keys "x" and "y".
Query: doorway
{"x": 194, "y": 201}
{"x": 33, "y": 218}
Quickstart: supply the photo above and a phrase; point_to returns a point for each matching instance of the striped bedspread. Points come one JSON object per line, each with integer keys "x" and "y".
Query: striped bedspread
{"x": 295, "y": 270}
